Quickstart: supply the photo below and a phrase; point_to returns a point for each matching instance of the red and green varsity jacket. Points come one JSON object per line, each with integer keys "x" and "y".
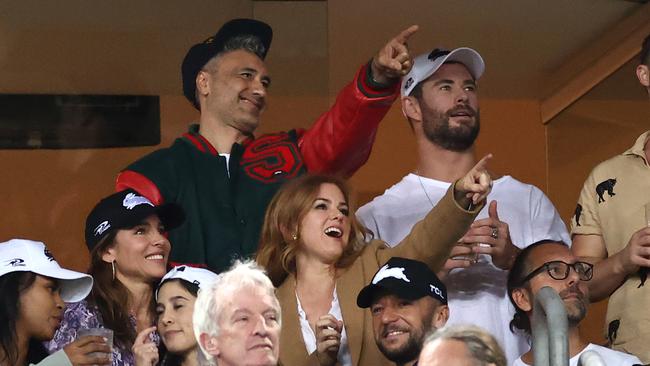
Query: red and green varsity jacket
{"x": 225, "y": 213}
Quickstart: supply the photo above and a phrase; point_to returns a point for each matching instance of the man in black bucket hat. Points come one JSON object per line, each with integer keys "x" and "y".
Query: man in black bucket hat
{"x": 224, "y": 176}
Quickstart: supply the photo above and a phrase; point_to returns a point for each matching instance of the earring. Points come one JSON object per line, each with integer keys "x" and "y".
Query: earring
{"x": 113, "y": 268}
{"x": 294, "y": 236}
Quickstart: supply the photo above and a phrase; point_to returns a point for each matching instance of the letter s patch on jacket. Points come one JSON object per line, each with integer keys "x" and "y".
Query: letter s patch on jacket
{"x": 272, "y": 158}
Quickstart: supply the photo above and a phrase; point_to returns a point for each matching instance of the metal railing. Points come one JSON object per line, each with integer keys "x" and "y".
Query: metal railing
{"x": 550, "y": 326}
{"x": 550, "y": 333}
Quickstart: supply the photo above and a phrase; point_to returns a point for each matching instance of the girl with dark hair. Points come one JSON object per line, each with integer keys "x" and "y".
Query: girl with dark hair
{"x": 34, "y": 288}
{"x": 175, "y": 298}
{"x": 129, "y": 250}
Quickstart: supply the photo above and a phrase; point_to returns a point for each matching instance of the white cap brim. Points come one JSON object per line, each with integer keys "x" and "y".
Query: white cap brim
{"x": 423, "y": 67}
{"x": 75, "y": 286}
{"x": 198, "y": 276}
{"x": 21, "y": 255}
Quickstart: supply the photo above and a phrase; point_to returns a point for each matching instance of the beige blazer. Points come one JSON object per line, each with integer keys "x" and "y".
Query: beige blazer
{"x": 430, "y": 241}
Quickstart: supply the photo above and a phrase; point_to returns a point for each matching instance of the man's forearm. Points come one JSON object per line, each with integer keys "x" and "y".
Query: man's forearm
{"x": 608, "y": 276}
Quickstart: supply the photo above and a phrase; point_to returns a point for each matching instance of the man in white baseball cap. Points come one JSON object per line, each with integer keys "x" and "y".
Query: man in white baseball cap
{"x": 440, "y": 101}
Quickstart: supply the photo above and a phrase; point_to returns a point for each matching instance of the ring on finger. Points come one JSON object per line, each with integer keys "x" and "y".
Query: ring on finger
{"x": 495, "y": 233}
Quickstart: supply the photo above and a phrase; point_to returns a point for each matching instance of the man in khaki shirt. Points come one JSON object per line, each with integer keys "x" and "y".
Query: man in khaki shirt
{"x": 611, "y": 229}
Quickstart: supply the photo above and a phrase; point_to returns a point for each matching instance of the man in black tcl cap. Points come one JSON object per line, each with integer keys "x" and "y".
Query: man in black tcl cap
{"x": 222, "y": 175}
{"x": 407, "y": 301}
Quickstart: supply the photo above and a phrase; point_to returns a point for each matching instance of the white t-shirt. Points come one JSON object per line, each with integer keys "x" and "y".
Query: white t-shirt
{"x": 477, "y": 295}
{"x": 609, "y": 356}
{"x": 344, "y": 357}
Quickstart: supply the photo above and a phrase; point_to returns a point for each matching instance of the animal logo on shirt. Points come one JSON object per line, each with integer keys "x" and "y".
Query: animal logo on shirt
{"x": 385, "y": 272}
{"x": 606, "y": 186}
{"x": 577, "y": 214}
{"x": 612, "y": 330}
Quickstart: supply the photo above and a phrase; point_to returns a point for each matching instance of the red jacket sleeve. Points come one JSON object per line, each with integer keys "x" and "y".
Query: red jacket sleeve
{"x": 138, "y": 182}
{"x": 341, "y": 139}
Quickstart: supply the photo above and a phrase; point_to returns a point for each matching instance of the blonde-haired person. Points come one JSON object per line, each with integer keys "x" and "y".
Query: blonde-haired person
{"x": 461, "y": 345}
{"x": 315, "y": 253}
{"x": 237, "y": 319}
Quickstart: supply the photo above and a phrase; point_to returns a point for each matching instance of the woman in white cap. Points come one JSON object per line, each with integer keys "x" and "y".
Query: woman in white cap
{"x": 34, "y": 288}
{"x": 175, "y": 298}
{"x": 125, "y": 234}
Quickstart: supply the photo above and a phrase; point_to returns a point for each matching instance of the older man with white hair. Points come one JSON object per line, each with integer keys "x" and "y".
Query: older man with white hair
{"x": 237, "y": 319}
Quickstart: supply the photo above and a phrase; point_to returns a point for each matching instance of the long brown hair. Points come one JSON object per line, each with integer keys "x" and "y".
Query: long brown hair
{"x": 110, "y": 296}
{"x": 277, "y": 249}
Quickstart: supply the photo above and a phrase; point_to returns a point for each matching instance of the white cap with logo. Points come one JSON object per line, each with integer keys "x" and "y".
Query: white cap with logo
{"x": 428, "y": 63}
{"x": 198, "y": 276}
{"x": 20, "y": 255}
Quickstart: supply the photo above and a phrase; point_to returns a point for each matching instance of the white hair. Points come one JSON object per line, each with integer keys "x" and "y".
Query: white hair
{"x": 209, "y": 302}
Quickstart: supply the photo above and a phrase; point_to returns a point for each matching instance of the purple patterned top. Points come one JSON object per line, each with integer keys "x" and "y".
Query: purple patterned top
{"x": 80, "y": 315}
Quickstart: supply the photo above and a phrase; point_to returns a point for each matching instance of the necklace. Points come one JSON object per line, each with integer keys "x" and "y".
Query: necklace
{"x": 424, "y": 189}
{"x": 469, "y": 208}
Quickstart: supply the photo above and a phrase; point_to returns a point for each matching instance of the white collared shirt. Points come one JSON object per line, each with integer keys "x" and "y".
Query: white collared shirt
{"x": 344, "y": 357}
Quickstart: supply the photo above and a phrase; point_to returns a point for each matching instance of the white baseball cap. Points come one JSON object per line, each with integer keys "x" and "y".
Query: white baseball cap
{"x": 20, "y": 255}
{"x": 428, "y": 63}
{"x": 198, "y": 276}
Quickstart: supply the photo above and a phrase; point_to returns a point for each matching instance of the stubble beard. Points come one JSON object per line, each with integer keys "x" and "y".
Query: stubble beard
{"x": 407, "y": 353}
{"x": 577, "y": 308}
{"x": 439, "y": 132}
{"x": 411, "y": 349}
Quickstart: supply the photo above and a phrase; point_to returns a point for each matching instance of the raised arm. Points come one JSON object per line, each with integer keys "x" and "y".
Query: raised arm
{"x": 431, "y": 239}
{"x": 340, "y": 140}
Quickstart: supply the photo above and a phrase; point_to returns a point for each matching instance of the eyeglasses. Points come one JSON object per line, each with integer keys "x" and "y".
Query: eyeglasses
{"x": 559, "y": 270}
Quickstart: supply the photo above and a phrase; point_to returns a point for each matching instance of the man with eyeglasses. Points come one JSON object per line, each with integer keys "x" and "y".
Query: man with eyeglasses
{"x": 550, "y": 263}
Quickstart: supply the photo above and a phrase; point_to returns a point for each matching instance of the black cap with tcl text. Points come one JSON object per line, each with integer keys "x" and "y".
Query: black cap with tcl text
{"x": 406, "y": 278}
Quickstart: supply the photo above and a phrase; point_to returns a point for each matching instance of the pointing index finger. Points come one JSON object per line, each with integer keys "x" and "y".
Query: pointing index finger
{"x": 480, "y": 166}
{"x": 406, "y": 33}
